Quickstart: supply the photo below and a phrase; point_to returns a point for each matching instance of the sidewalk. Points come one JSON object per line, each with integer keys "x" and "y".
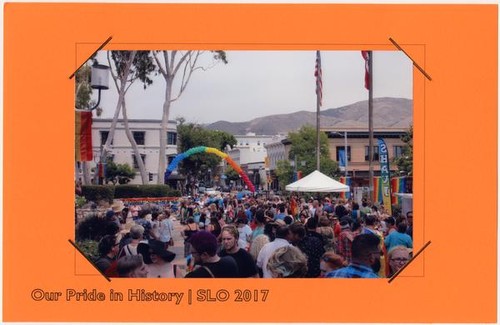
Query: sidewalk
{"x": 178, "y": 247}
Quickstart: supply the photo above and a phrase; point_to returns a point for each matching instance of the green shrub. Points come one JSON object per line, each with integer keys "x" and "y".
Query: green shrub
{"x": 92, "y": 227}
{"x": 134, "y": 191}
{"x": 89, "y": 248}
{"x": 174, "y": 193}
{"x": 79, "y": 201}
{"x": 98, "y": 193}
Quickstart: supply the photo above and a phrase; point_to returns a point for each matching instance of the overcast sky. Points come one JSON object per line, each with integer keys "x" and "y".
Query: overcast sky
{"x": 259, "y": 83}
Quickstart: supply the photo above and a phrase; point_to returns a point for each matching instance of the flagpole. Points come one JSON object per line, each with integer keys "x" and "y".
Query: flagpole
{"x": 318, "y": 147}
{"x": 319, "y": 93}
{"x": 370, "y": 122}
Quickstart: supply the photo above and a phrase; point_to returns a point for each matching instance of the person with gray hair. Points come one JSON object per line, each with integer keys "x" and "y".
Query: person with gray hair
{"x": 132, "y": 266}
{"x": 287, "y": 262}
{"x": 136, "y": 233}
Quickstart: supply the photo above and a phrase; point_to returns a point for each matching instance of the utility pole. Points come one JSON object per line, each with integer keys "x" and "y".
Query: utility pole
{"x": 370, "y": 121}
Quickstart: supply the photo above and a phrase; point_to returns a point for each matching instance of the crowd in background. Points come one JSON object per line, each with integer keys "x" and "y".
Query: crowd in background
{"x": 237, "y": 235}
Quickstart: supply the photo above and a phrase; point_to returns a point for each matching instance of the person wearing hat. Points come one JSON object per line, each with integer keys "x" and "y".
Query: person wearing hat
{"x": 157, "y": 258}
{"x": 117, "y": 209}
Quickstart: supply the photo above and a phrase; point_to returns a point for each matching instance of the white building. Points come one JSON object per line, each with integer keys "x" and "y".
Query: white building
{"x": 250, "y": 153}
{"x": 275, "y": 152}
{"x": 147, "y": 136}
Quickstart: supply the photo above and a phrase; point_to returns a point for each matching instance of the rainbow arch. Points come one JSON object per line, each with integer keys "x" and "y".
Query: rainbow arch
{"x": 173, "y": 165}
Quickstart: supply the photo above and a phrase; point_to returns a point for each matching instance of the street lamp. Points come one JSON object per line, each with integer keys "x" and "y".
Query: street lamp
{"x": 345, "y": 150}
{"x": 99, "y": 79}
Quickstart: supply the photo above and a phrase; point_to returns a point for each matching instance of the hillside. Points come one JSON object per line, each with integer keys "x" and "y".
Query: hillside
{"x": 387, "y": 112}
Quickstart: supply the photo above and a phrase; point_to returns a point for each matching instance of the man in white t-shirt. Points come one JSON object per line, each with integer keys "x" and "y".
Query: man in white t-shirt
{"x": 282, "y": 235}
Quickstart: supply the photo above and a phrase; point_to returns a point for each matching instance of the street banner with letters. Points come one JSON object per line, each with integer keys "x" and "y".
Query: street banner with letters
{"x": 385, "y": 177}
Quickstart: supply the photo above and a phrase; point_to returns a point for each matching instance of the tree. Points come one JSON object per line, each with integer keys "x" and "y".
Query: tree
{"x": 119, "y": 173}
{"x": 172, "y": 64}
{"x": 405, "y": 161}
{"x": 303, "y": 151}
{"x": 284, "y": 172}
{"x": 83, "y": 90}
{"x": 231, "y": 174}
{"x": 127, "y": 67}
{"x": 193, "y": 135}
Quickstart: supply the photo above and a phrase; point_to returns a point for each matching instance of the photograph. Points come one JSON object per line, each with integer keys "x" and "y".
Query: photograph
{"x": 279, "y": 150}
{"x": 204, "y": 163}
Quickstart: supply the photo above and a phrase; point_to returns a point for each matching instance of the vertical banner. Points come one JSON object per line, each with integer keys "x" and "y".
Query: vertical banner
{"x": 342, "y": 159}
{"x": 385, "y": 177}
{"x": 83, "y": 136}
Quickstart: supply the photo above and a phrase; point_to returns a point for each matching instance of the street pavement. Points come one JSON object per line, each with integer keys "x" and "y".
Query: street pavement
{"x": 178, "y": 247}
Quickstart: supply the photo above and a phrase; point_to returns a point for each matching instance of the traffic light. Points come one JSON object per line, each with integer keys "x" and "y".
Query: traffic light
{"x": 150, "y": 177}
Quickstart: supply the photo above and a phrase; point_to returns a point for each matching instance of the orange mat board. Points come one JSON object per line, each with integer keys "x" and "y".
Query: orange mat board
{"x": 455, "y": 138}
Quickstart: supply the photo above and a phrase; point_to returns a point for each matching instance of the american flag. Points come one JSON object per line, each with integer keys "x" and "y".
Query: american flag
{"x": 366, "y": 56}
{"x": 319, "y": 81}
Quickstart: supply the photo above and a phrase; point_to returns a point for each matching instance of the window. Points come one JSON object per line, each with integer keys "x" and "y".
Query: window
{"x": 398, "y": 151}
{"x": 136, "y": 165}
{"x": 104, "y": 137}
{"x": 341, "y": 149}
{"x": 172, "y": 138}
{"x": 169, "y": 159}
{"x": 375, "y": 153}
{"x": 139, "y": 137}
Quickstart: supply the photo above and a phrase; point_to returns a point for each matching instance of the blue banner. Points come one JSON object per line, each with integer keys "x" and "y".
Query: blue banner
{"x": 342, "y": 158}
{"x": 385, "y": 174}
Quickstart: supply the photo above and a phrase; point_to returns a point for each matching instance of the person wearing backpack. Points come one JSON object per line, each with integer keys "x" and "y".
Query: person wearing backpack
{"x": 136, "y": 235}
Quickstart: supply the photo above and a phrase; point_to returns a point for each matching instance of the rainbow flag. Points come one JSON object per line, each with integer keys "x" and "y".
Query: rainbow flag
{"x": 83, "y": 136}
{"x": 346, "y": 181}
{"x": 398, "y": 185}
{"x": 377, "y": 190}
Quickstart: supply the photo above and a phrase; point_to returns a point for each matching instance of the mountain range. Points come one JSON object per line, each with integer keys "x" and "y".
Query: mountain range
{"x": 387, "y": 113}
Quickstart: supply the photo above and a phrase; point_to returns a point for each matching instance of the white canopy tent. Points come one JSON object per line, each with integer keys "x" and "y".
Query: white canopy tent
{"x": 407, "y": 202}
{"x": 317, "y": 182}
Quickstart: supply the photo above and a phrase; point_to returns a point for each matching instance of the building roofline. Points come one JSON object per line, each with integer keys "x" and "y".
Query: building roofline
{"x": 132, "y": 120}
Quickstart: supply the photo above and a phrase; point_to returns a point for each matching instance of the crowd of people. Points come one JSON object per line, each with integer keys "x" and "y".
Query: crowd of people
{"x": 228, "y": 236}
